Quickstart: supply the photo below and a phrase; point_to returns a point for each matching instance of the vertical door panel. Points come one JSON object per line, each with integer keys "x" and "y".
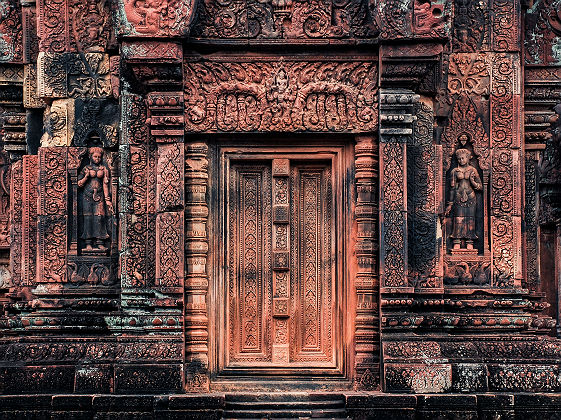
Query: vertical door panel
{"x": 280, "y": 264}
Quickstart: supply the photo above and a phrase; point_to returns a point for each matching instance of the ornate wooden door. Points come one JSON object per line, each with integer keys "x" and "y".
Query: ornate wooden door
{"x": 282, "y": 281}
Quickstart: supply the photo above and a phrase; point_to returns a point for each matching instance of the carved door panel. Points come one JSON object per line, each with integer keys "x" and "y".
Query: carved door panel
{"x": 280, "y": 275}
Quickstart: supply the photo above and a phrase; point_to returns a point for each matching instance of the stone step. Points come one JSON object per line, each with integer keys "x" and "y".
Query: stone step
{"x": 284, "y": 396}
{"x": 272, "y": 405}
{"x": 285, "y": 413}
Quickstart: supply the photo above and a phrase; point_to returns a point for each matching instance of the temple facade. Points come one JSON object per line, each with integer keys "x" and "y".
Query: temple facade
{"x": 205, "y": 202}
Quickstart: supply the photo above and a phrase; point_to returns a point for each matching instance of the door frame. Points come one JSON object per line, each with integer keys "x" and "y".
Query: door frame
{"x": 340, "y": 151}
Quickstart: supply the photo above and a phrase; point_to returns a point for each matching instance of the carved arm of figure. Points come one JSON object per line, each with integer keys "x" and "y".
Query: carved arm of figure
{"x": 106, "y": 190}
{"x": 452, "y": 195}
{"x": 475, "y": 180}
{"x": 84, "y": 178}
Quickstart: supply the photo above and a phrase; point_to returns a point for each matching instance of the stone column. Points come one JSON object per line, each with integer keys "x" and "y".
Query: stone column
{"x": 196, "y": 271}
{"x": 367, "y": 338}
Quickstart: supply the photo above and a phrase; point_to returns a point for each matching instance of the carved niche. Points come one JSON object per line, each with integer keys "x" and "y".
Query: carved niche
{"x": 288, "y": 94}
{"x": 466, "y": 172}
{"x": 92, "y": 254}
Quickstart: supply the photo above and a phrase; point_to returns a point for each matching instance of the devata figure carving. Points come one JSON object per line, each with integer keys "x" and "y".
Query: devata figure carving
{"x": 96, "y": 201}
{"x": 464, "y": 181}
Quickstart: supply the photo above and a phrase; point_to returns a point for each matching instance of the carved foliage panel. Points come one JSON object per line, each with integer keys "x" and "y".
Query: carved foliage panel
{"x": 280, "y": 95}
{"x": 394, "y": 230}
{"x": 169, "y": 249}
{"x": 468, "y": 73}
{"x": 16, "y": 214}
{"x": 30, "y": 40}
{"x": 53, "y": 28}
{"x": 52, "y": 213}
{"x": 505, "y": 174}
{"x": 29, "y": 219}
{"x": 505, "y": 35}
{"x": 170, "y": 181}
{"x": 134, "y": 158}
{"x": 531, "y": 220}
{"x": 170, "y": 222}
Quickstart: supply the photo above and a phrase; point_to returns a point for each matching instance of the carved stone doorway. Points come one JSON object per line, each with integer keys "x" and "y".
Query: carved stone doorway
{"x": 281, "y": 286}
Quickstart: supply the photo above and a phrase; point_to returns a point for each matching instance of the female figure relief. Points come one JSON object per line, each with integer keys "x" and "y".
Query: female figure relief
{"x": 96, "y": 201}
{"x": 464, "y": 181}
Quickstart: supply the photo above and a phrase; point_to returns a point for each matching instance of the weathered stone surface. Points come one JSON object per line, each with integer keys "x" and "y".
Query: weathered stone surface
{"x": 253, "y": 196}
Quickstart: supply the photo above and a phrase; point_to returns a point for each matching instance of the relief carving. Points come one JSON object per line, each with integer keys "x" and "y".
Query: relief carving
{"x": 288, "y": 95}
{"x": 11, "y": 45}
{"x": 91, "y": 25}
{"x": 470, "y": 25}
{"x": 285, "y": 19}
{"x": 462, "y": 202}
{"x": 154, "y": 18}
{"x": 95, "y": 199}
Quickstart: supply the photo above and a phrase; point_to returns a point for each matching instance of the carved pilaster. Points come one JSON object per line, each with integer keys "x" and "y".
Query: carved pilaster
{"x": 196, "y": 272}
{"x": 532, "y": 277}
{"x": 367, "y": 340}
{"x": 423, "y": 195}
{"x": 505, "y": 197}
{"x": 396, "y": 128}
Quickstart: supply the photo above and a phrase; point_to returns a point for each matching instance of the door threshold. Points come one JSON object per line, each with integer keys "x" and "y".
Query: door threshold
{"x": 270, "y": 386}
